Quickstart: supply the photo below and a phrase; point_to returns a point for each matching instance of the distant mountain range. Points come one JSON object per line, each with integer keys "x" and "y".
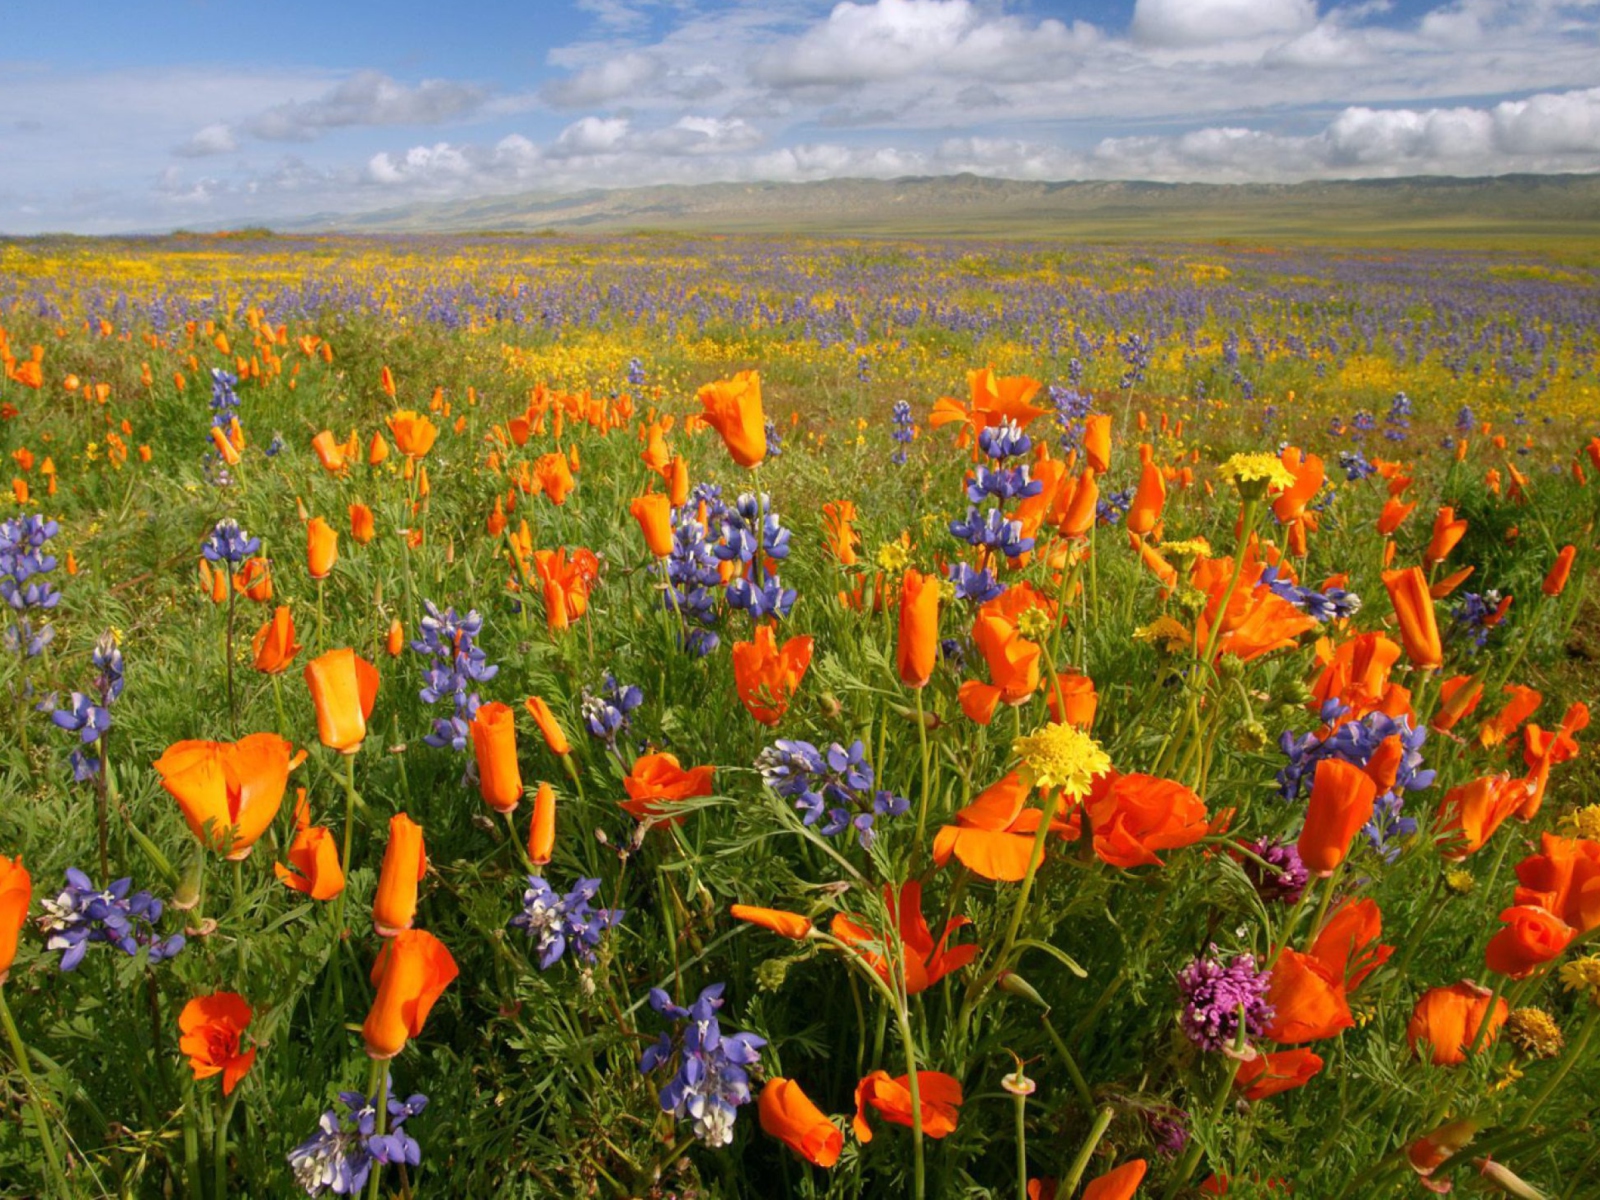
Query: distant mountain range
{"x": 1430, "y": 209}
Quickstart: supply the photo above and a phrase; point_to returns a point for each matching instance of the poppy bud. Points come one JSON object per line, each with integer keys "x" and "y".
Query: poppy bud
{"x": 788, "y": 1114}
{"x": 1556, "y": 581}
{"x": 494, "y": 745}
{"x": 1342, "y": 797}
{"x": 405, "y": 862}
{"x": 362, "y": 528}
{"x": 16, "y": 893}
{"x": 654, "y": 514}
{"x": 410, "y": 975}
{"x": 542, "y": 829}
{"x": 397, "y": 638}
{"x": 322, "y": 548}
{"x": 274, "y": 645}
{"x": 917, "y": 650}
{"x": 549, "y": 727}
{"x": 344, "y": 688}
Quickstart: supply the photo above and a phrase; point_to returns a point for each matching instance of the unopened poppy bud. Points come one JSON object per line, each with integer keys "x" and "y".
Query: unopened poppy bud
{"x": 1229, "y": 667}
{"x": 187, "y": 894}
{"x": 1016, "y": 985}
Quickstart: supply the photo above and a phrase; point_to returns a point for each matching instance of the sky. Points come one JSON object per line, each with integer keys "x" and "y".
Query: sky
{"x": 148, "y": 115}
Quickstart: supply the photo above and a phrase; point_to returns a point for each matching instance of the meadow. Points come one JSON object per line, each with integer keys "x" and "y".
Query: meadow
{"x": 689, "y": 716}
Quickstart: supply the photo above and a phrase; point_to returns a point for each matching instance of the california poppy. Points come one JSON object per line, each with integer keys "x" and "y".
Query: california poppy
{"x": 1282, "y": 1071}
{"x": 788, "y": 1114}
{"x": 410, "y": 974}
{"x": 1308, "y": 1001}
{"x": 322, "y": 547}
{"x": 1013, "y": 663}
{"x": 1394, "y": 513}
{"x": 1523, "y": 702}
{"x": 554, "y": 476}
{"x": 1071, "y": 699}
{"x": 330, "y": 453}
{"x": 1413, "y": 607}
{"x": 377, "y": 450}
{"x": 766, "y": 676}
{"x": 777, "y": 920}
{"x": 1531, "y": 938}
{"x": 16, "y": 893}
{"x": 1459, "y": 696}
{"x": 653, "y": 511}
{"x": 229, "y": 792}
{"x": 211, "y": 1028}
{"x": 542, "y": 826}
{"x": 1097, "y": 442}
{"x": 838, "y": 531}
{"x": 1555, "y": 582}
{"x": 494, "y": 746}
{"x": 1447, "y": 1019}
{"x": 1150, "y": 497}
{"x": 362, "y": 528}
{"x": 313, "y": 858}
{"x": 657, "y": 780}
{"x": 1350, "y": 945}
{"x": 1469, "y": 814}
{"x": 924, "y": 961}
{"x": 1118, "y": 1184}
{"x": 405, "y": 862}
{"x": 1563, "y": 879}
{"x": 1133, "y": 816}
{"x": 1342, "y": 797}
{"x": 396, "y": 639}
{"x": 939, "y": 1097}
{"x": 917, "y": 649}
{"x": 1448, "y": 531}
{"x": 344, "y": 688}
{"x": 274, "y": 644}
{"x": 413, "y": 434}
{"x": 254, "y": 580}
{"x": 733, "y": 408}
{"x": 994, "y": 835}
{"x": 554, "y": 736}
{"x": 1076, "y": 505}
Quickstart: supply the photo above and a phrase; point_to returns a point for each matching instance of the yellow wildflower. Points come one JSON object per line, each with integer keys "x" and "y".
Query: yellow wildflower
{"x": 1062, "y": 756}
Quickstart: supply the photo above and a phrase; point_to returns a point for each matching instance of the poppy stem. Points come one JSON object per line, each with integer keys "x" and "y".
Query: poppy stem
{"x": 1080, "y": 1164}
{"x": 322, "y": 619}
{"x": 227, "y": 654}
{"x": 277, "y": 700}
{"x": 1020, "y": 1104}
{"x": 52, "y": 1161}
{"x": 381, "y": 1102}
{"x": 1052, "y": 805}
{"x": 1327, "y": 897}
{"x": 1191, "y": 1157}
{"x": 1574, "y": 1056}
{"x": 349, "y": 829}
{"x": 927, "y": 780}
{"x": 522, "y": 850}
{"x": 1079, "y": 1083}
{"x": 219, "y": 1147}
{"x": 1488, "y": 1014}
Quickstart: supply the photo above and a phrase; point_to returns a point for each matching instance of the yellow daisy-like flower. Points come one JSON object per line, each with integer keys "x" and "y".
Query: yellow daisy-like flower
{"x": 1534, "y": 1033}
{"x": 1188, "y": 548}
{"x": 1062, "y": 756}
{"x": 1256, "y": 474}
{"x": 1583, "y": 975}
{"x": 1166, "y": 632}
{"x": 1460, "y": 882}
{"x": 1585, "y": 823}
{"x": 893, "y": 556}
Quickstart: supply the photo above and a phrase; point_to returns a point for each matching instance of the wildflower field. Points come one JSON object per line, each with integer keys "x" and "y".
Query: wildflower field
{"x": 673, "y": 716}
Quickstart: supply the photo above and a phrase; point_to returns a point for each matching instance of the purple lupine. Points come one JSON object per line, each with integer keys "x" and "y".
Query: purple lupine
{"x": 835, "y": 783}
{"x": 607, "y": 712}
{"x": 81, "y": 914}
{"x": 710, "y": 1083}
{"x": 559, "y": 922}
{"x": 456, "y": 663}
{"x": 338, "y": 1158}
{"x": 228, "y": 543}
{"x": 1218, "y": 994}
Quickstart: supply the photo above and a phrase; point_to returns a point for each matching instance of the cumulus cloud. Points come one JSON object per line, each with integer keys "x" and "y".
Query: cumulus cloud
{"x": 1203, "y": 22}
{"x": 604, "y": 82}
{"x": 366, "y": 98}
{"x": 216, "y": 138}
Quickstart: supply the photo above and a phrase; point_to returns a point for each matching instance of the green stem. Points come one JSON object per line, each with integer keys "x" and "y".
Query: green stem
{"x": 927, "y": 788}
{"x": 349, "y": 828}
{"x": 382, "y": 1084}
{"x": 1191, "y": 1157}
{"x": 1080, "y": 1164}
{"x": 219, "y": 1146}
{"x": 1079, "y": 1083}
{"x": 1573, "y": 1056}
{"x": 52, "y": 1161}
{"x": 1488, "y": 1014}
{"x": 1021, "y": 1106}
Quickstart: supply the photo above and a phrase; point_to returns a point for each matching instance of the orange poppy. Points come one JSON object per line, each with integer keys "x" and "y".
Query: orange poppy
{"x": 917, "y": 649}
{"x": 1458, "y": 698}
{"x": 1448, "y": 531}
{"x": 924, "y": 962}
{"x": 16, "y": 893}
{"x": 554, "y": 736}
{"x": 1271, "y": 1074}
{"x": 1555, "y": 582}
{"x": 413, "y": 433}
{"x": 654, "y": 514}
{"x": 733, "y": 408}
{"x": 494, "y": 746}
{"x": 274, "y": 645}
{"x": 362, "y": 527}
{"x": 1349, "y": 944}
{"x": 788, "y": 1114}
{"x": 322, "y": 547}
{"x": 992, "y": 399}
{"x": 344, "y": 687}
{"x": 1531, "y": 938}
{"x": 1309, "y": 473}
{"x": 939, "y": 1097}
{"x": 1342, "y": 797}
{"x": 1076, "y": 505}
{"x": 1394, "y": 513}
{"x": 767, "y": 676}
{"x": 377, "y": 450}
{"x": 542, "y": 827}
{"x": 994, "y": 835}
{"x": 777, "y": 920}
{"x": 1469, "y": 815}
{"x": 1563, "y": 879}
{"x": 1097, "y": 442}
{"x": 838, "y": 531}
{"x": 657, "y": 780}
{"x": 1308, "y": 1001}
{"x": 1132, "y": 816}
{"x": 1013, "y": 663}
{"x": 330, "y": 452}
{"x": 405, "y": 862}
{"x": 396, "y": 640}
{"x": 554, "y": 476}
{"x": 229, "y": 792}
{"x": 1447, "y": 1019}
{"x": 313, "y": 857}
{"x": 1413, "y": 607}
{"x": 1118, "y": 1184}
{"x": 212, "y": 1027}
{"x": 254, "y": 580}
{"x": 1524, "y": 702}
{"x": 410, "y": 974}
{"x": 1150, "y": 497}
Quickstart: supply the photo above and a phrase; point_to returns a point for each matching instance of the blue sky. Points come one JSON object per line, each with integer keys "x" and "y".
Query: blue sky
{"x": 153, "y": 115}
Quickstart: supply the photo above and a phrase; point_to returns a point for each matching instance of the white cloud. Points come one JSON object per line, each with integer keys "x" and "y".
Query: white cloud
{"x": 604, "y": 82}
{"x": 592, "y": 135}
{"x": 1203, "y": 22}
{"x": 366, "y": 98}
{"x": 216, "y": 138}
